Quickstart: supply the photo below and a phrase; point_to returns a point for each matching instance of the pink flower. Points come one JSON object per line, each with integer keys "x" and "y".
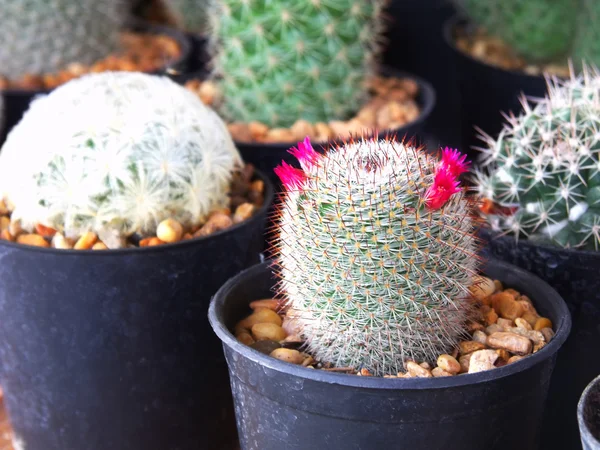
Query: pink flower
{"x": 291, "y": 177}
{"x": 444, "y": 186}
{"x": 305, "y": 153}
{"x": 454, "y": 162}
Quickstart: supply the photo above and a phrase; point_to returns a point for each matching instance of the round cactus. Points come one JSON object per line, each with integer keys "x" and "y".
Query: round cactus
{"x": 376, "y": 253}
{"x": 41, "y": 36}
{"x": 280, "y": 61}
{"x": 116, "y": 153}
{"x": 541, "y": 177}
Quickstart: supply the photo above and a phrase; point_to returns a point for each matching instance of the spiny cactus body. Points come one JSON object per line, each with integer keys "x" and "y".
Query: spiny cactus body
{"x": 42, "y": 36}
{"x": 376, "y": 252}
{"x": 116, "y": 153}
{"x": 280, "y": 61}
{"x": 541, "y": 176}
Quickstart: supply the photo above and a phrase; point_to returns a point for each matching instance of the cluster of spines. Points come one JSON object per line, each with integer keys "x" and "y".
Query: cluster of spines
{"x": 375, "y": 252}
{"x": 540, "y": 178}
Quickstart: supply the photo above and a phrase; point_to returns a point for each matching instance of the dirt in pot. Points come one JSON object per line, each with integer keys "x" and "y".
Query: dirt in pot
{"x": 393, "y": 104}
{"x": 141, "y": 52}
{"x": 493, "y": 51}
{"x": 505, "y": 328}
{"x": 246, "y": 198}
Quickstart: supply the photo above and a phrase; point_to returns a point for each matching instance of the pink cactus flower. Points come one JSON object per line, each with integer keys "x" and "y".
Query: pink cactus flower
{"x": 444, "y": 186}
{"x": 291, "y": 177}
{"x": 454, "y": 162}
{"x": 305, "y": 153}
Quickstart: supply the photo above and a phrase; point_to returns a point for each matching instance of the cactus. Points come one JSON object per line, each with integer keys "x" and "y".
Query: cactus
{"x": 280, "y": 61}
{"x": 541, "y": 177}
{"x": 539, "y": 30}
{"x": 587, "y": 41}
{"x": 116, "y": 153}
{"x": 43, "y": 36}
{"x": 191, "y": 15}
{"x": 376, "y": 251}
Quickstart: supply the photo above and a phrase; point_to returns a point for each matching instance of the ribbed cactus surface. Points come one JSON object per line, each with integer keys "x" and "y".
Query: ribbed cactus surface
{"x": 376, "y": 252}
{"x": 280, "y": 61}
{"x": 41, "y": 36}
{"x": 541, "y": 176}
{"x": 116, "y": 153}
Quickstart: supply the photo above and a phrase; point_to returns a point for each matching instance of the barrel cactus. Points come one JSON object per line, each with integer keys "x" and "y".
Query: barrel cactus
{"x": 376, "y": 252}
{"x": 280, "y": 61}
{"x": 41, "y": 36}
{"x": 115, "y": 153}
{"x": 540, "y": 179}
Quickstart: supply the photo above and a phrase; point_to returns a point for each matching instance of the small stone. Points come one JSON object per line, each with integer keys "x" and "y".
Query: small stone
{"x": 493, "y": 328}
{"x": 507, "y": 323}
{"x": 257, "y": 130}
{"x": 535, "y": 336}
{"x": 516, "y": 294}
{"x": 243, "y": 212}
{"x": 480, "y": 336}
{"x": 498, "y": 285}
{"x": 464, "y": 362}
{"x": 503, "y": 354}
{"x": 514, "y": 343}
{"x": 482, "y": 360}
{"x": 169, "y": 230}
{"x": 522, "y": 323}
{"x": 530, "y": 317}
{"x": 515, "y": 358}
{"x": 416, "y": 370}
{"x": 548, "y": 333}
{"x": 265, "y": 347}
{"x": 542, "y": 322}
{"x": 245, "y": 338}
{"x": 287, "y": 355}
{"x": 439, "y": 372}
{"x": 268, "y": 332}
{"x": 491, "y": 317}
{"x": 467, "y": 347}
{"x": 482, "y": 287}
{"x": 308, "y": 361}
{"x": 269, "y": 303}
{"x": 425, "y": 365}
{"x": 364, "y": 373}
{"x": 448, "y": 364}
{"x": 261, "y": 316}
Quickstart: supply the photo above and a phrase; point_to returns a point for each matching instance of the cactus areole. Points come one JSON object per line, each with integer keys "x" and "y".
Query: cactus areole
{"x": 376, "y": 252}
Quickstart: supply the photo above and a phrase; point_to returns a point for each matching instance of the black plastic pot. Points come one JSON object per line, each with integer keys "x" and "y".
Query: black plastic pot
{"x": 588, "y": 416}
{"x": 16, "y": 101}
{"x": 280, "y": 405}
{"x": 486, "y": 91}
{"x": 574, "y": 274}
{"x": 112, "y": 349}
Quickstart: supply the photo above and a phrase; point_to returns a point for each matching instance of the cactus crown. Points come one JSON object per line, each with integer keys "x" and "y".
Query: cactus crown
{"x": 541, "y": 176}
{"x": 42, "y": 36}
{"x": 117, "y": 152}
{"x": 280, "y": 61}
{"x": 541, "y": 30}
{"x": 376, "y": 252}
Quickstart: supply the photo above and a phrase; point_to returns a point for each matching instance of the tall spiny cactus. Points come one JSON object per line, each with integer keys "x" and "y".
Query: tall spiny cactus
{"x": 41, "y": 36}
{"x": 376, "y": 253}
{"x": 541, "y": 176}
{"x": 116, "y": 153}
{"x": 279, "y": 61}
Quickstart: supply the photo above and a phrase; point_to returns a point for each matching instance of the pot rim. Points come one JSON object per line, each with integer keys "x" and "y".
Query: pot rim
{"x": 448, "y": 33}
{"x": 562, "y": 331}
{"x": 584, "y": 429}
{"x": 135, "y": 25}
{"x": 496, "y": 235}
{"x": 428, "y": 100}
{"x": 269, "y": 196}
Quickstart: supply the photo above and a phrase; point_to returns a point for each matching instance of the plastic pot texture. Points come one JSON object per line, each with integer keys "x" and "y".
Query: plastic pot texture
{"x": 16, "y": 101}
{"x": 588, "y": 416}
{"x": 486, "y": 91}
{"x": 112, "y": 349}
{"x": 279, "y": 405}
{"x": 574, "y": 275}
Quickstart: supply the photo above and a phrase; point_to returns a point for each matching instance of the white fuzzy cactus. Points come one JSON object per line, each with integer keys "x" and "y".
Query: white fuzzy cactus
{"x": 116, "y": 153}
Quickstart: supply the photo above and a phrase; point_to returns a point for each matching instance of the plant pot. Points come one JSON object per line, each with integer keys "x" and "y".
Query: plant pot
{"x": 574, "y": 274}
{"x": 280, "y": 405}
{"x": 16, "y": 101}
{"x": 112, "y": 349}
{"x": 588, "y": 416}
{"x": 486, "y": 91}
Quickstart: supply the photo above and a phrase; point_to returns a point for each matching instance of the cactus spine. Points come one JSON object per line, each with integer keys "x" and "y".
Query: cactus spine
{"x": 116, "y": 153}
{"x": 42, "y": 36}
{"x": 376, "y": 253}
{"x": 280, "y": 61}
{"x": 541, "y": 176}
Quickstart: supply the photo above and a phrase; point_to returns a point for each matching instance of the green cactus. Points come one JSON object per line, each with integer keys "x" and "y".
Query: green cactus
{"x": 541, "y": 176}
{"x": 587, "y": 41}
{"x": 191, "y": 15}
{"x": 280, "y": 61}
{"x": 43, "y": 36}
{"x": 115, "y": 153}
{"x": 376, "y": 253}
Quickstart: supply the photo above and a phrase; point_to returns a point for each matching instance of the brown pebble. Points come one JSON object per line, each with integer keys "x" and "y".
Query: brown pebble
{"x": 503, "y": 354}
{"x": 243, "y": 212}
{"x": 464, "y": 362}
{"x": 169, "y": 230}
{"x": 467, "y": 347}
{"x": 261, "y": 315}
{"x": 86, "y": 241}
{"x": 491, "y": 317}
{"x": 417, "y": 371}
{"x": 542, "y": 322}
{"x": 32, "y": 239}
{"x": 480, "y": 336}
{"x": 514, "y": 343}
{"x": 287, "y": 355}
{"x": 268, "y": 332}
{"x": 482, "y": 360}
{"x": 548, "y": 333}
{"x": 245, "y": 338}
{"x": 265, "y": 347}
{"x": 505, "y": 322}
{"x": 269, "y": 303}
{"x": 448, "y": 363}
{"x": 515, "y": 358}
{"x": 439, "y": 372}
{"x": 522, "y": 323}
